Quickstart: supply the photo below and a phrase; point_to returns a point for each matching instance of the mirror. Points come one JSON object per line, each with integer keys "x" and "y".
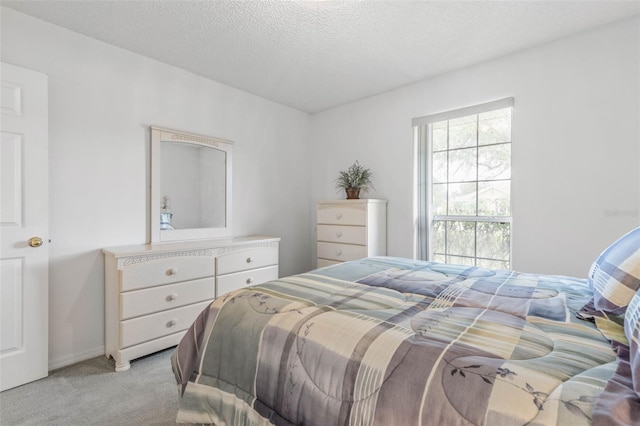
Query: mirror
{"x": 190, "y": 186}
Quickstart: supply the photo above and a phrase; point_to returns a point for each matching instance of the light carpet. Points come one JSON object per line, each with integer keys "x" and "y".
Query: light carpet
{"x": 92, "y": 393}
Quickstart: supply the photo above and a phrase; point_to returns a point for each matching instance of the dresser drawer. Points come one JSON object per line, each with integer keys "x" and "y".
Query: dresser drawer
{"x": 341, "y": 252}
{"x": 324, "y": 262}
{"x": 165, "y": 271}
{"x": 142, "y": 329}
{"x": 246, "y": 259}
{"x": 342, "y": 215}
{"x": 227, "y": 283}
{"x": 343, "y": 234}
{"x": 156, "y": 299}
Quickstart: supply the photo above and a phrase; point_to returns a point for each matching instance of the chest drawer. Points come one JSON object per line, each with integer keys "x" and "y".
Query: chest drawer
{"x": 155, "y": 299}
{"x": 149, "y": 327}
{"x": 341, "y": 252}
{"x": 165, "y": 271}
{"x": 324, "y": 262}
{"x": 230, "y": 282}
{"x": 342, "y": 215}
{"x": 246, "y": 259}
{"x": 343, "y": 234}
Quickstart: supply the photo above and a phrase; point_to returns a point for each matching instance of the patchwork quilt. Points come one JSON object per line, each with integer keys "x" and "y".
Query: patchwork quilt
{"x": 390, "y": 341}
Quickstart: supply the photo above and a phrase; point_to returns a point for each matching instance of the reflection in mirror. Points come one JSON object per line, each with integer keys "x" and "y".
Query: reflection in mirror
{"x": 190, "y": 186}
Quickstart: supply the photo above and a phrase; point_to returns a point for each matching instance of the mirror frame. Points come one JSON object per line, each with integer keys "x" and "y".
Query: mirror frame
{"x": 159, "y": 135}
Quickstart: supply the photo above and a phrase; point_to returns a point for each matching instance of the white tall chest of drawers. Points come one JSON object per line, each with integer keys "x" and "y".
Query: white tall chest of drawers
{"x": 154, "y": 292}
{"x": 350, "y": 229}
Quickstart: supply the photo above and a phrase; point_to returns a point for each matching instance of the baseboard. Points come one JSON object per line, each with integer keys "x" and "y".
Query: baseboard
{"x": 74, "y": 358}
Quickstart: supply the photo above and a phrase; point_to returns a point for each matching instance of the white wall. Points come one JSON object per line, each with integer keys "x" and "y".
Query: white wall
{"x": 101, "y": 101}
{"x": 576, "y": 149}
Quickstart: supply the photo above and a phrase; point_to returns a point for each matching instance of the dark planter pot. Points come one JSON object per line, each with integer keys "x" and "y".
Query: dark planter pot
{"x": 353, "y": 193}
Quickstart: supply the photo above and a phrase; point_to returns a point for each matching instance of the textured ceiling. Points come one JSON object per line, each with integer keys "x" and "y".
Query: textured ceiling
{"x": 315, "y": 55}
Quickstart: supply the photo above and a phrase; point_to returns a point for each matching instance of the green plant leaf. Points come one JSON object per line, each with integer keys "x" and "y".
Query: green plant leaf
{"x": 356, "y": 176}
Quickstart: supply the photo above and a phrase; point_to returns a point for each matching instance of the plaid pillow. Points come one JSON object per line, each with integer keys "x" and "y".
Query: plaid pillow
{"x": 632, "y": 331}
{"x": 615, "y": 275}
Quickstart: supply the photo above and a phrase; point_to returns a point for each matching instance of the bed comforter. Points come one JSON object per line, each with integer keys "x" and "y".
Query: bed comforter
{"x": 389, "y": 341}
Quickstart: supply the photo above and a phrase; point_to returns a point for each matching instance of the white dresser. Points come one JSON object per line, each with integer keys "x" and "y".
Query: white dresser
{"x": 154, "y": 292}
{"x": 350, "y": 229}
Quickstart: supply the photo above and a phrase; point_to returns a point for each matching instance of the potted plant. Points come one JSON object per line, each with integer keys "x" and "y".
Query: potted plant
{"x": 353, "y": 180}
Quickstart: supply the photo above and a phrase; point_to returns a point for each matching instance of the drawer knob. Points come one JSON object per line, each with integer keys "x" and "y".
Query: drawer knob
{"x": 338, "y": 252}
{"x": 338, "y": 215}
{"x": 339, "y": 234}
{"x": 249, "y": 280}
{"x": 172, "y": 296}
{"x": 249, "y": 259}
{"x": 172, "y": 271}
{"x": 172, "y": 322}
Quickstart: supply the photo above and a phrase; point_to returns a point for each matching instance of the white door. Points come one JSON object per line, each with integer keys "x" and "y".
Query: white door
{"x": 24, "y": 247}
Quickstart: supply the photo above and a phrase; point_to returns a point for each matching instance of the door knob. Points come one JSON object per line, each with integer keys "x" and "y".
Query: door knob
{"x": 35, "y": 242}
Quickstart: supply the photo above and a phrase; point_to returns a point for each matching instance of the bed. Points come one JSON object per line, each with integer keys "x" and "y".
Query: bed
{"x": 392, "y": 341}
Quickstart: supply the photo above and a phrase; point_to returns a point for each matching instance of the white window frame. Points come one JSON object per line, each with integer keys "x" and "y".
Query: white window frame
{"x": 423, "y": 183}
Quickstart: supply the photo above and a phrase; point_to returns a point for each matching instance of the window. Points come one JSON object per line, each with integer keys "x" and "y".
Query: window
{"x": 464, "y": 186}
